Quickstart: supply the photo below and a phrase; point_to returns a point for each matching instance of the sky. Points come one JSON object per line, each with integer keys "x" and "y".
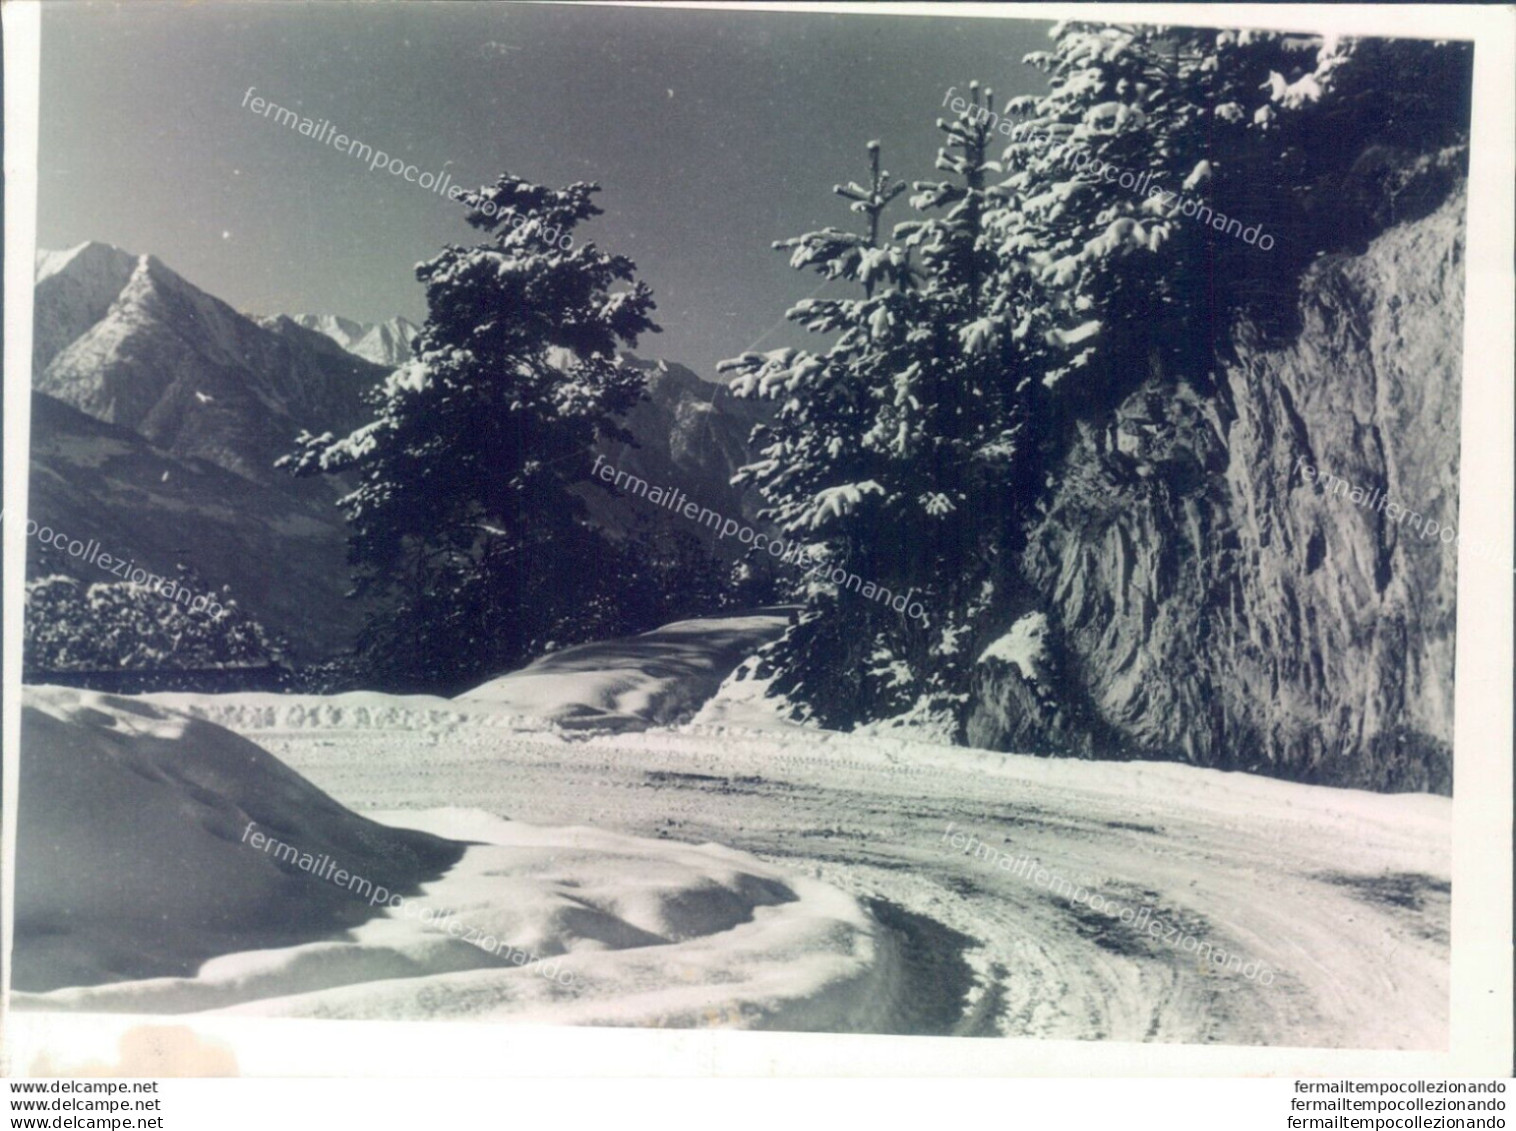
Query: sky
{"x": 712, "y": 134}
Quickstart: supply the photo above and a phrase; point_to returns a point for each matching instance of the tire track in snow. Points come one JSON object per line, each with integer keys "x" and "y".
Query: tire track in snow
{"x": 1240, "y": 858}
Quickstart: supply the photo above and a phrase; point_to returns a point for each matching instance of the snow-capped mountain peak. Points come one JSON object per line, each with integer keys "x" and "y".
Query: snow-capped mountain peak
{"x": 127, "y": 340}
{"x": 91, "y": 258}
{"x": 383, "y": 343}
{"x": 75, "y": 289}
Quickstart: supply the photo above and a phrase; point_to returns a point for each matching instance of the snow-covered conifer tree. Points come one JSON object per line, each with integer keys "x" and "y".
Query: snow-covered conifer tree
{"x": 1169, "y": 180}
{"x": 462, "y": 517}
{"x": 75, "y": 626}
{"x": 897, "y": 454}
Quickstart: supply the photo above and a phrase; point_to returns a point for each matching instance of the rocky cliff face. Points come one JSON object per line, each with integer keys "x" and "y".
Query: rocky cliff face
{"x": 1208, "y": 596}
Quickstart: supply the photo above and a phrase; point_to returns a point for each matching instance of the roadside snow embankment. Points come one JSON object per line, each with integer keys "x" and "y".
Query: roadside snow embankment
{"x": 135, "y": 870}
{"x": 129, "y": 860}
{"x": 635, "y": 681}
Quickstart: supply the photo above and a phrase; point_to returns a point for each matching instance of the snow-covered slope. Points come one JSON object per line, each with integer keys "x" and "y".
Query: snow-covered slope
{"x": 636, "y": 681}
{"x": 386, "y": 343}
{"x": 344, "y": 331}
{"x": 563, "y": 925}
{"x": 181, "y": 367}
{"x": 94, "y": 480}
{"x": 135, "y": 864}
{"x": 74, "y": 290}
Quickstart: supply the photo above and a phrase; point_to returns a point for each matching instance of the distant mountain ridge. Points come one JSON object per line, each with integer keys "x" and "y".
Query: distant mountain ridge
{"x": 691, "y": 434}
{"x": 126, "y": 340}
{"x": 386, "y": 343}
{"x": 74, "y": 290}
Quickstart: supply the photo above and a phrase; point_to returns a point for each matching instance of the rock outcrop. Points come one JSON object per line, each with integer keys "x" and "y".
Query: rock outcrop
{"x": 1211, "y": 597}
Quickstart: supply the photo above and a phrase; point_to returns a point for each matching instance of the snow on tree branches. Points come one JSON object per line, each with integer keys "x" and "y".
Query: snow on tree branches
{"x": 462, "y": 517}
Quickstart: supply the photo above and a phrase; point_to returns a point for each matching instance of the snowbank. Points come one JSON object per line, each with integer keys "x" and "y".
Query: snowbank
{"x": 260, "y": 711}
{"x": 136, "y": 870}
{"x": 634, "y": 681}
{"x": 130, "y": 860}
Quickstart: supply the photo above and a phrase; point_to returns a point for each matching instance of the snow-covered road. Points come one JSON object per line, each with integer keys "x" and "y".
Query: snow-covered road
{"x": 1342, "y": 896}
{"x": 1079, "y": 909}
